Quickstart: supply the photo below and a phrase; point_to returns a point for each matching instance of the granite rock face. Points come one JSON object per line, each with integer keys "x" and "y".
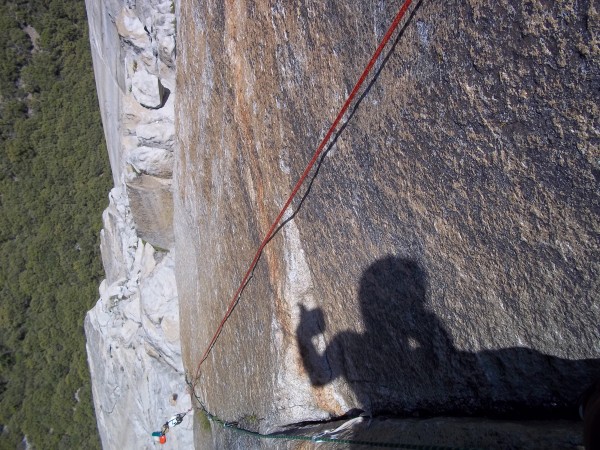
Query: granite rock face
{"x": 152, "y": 161}
{"x": 147, "y": 89}
{"x": 132, "y": 333}
{"x": 152, "y": 207}
{"x": 445, "y": 259}
{"x": 133, "y": 48}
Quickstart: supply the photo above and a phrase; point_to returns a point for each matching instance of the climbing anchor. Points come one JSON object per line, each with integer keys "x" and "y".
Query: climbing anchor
{"x": 160, "y": 436}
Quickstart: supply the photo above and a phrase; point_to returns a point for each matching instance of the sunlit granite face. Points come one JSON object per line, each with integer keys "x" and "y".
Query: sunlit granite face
{"x": 132, "y": 333}
{"x": 445, "y": 260}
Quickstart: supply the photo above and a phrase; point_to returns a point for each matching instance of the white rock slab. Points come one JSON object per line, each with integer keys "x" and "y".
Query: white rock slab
{"x": 147, "y": 89}
{"x": 152, "y": 161}
{"x": 131, "y": 28}
{"x": 136, "y": 368}
{"x": 158, "y": 134}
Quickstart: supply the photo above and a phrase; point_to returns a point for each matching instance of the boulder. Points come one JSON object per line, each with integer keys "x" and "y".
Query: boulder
{"x": 132, "y": 30}
{"x": 147, "y": 89}
{"x": 156, "y": 134}
{"x": 151, "y": 161}
{"x": 166, "y": 50}
{"x": 160, "y": 312}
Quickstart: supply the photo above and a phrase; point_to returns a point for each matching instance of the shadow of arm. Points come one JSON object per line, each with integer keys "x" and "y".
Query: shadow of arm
{"x": 316, "y": 364}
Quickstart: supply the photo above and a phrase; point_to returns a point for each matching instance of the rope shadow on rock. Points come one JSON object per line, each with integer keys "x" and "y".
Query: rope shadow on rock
{"x": 334, "y": 139}
{"x": 348, "y": 119}
{"x": 270, "y": 235}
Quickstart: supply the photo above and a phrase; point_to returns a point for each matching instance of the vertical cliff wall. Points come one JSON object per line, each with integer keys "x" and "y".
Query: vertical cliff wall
{"x": 133, "y": 331}
{"x": 446, "y": 257}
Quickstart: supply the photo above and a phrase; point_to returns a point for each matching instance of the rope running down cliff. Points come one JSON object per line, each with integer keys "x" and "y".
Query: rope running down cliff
{"x": 320, "y": 438}
{"x": 386, "y": 38}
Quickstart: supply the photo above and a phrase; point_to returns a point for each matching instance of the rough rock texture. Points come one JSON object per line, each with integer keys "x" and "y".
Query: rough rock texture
{"x": 109, "y": 73}
{"x": 133, "y": 48}
{"x": 133, "y": 342}
{"x": 152, "y": 161}
{"x": 147, "y": 89}
{"x": 117, "y": 253}
{"x": 133, "y": 331}
{"x": 446, "y": 258}
{"x": 438, "y": 432}
{"x": 151, "y": 200}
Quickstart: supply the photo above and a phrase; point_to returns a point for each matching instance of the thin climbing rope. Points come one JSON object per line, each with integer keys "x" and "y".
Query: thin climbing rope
{"x": 234, "y": 426}
{"x": 327, "y": 440}
{"x": 236, "y": 297}
{"x": 309, "y": 166}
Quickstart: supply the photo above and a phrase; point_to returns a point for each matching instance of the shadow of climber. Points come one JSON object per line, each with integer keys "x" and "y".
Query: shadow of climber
{"x": 405, "y": 361}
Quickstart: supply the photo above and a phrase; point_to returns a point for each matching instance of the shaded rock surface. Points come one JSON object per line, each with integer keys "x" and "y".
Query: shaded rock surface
{"x": 446, "y": 257}
{"x": 151, "y": 204}
{"x": 438, "y": 432}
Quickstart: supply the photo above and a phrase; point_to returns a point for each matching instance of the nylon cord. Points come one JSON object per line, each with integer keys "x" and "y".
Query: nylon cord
{"x": 236, "y": 297}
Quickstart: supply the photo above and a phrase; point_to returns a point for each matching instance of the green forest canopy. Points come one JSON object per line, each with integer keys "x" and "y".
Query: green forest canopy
{"x": 54, "y": 177}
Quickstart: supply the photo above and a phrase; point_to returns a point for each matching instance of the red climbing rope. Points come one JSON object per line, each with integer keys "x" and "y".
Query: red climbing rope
{"x": 320, "y": 148}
